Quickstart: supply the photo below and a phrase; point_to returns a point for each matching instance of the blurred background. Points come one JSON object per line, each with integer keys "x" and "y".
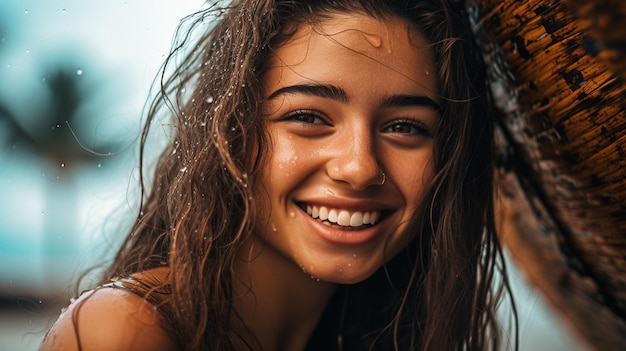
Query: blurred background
{"x": 74, "y": 77}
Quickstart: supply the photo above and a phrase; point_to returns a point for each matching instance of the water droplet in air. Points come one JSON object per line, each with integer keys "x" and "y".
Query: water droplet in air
{"x": 99, "y": 165}
{"x": 209, "y": 100}
{"x": 26, "y": 11}
{"x": 62, "y": 165}
{"x": 79, "y": 72}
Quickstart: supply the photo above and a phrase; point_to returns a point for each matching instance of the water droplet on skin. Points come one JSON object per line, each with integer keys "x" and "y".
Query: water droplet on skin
{"x": 281, "y": 166}
{"x": 426, "y": 72}
{"x": 349, "y": 264}
{"x": 292, "y": 214}
{"x": 374, "y": 40}
{"x": 274, "y": 227}
{"x": 355, "y": 255}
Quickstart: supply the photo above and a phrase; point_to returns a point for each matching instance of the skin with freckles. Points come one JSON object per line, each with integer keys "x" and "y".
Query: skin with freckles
{"x": 334, "y": 130}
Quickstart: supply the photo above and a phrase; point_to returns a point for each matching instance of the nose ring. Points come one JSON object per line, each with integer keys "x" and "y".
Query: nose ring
{"x": 384, "y": 178}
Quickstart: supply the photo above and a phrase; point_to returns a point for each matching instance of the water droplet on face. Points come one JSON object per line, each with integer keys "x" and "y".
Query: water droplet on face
{"x": 355, "y": 255}
{"x": 274, "y": 227}
{"x": 374, "y": 40}
{"x": 292, "y": 214}
{"x": 426, "y": 72}
{"x": 281, "y": 166}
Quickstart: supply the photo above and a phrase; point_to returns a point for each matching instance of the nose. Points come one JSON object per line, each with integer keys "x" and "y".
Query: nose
{"x": 355, "y": 162}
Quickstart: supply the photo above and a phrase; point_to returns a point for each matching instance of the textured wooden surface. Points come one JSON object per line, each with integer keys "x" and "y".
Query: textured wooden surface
{"x": 559, "y": 82}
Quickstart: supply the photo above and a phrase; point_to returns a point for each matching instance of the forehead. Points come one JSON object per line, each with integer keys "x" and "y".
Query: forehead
{"x": 355, "y": 46}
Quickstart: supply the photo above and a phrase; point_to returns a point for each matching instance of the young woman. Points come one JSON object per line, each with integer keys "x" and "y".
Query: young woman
{"x": 328, "y": 186}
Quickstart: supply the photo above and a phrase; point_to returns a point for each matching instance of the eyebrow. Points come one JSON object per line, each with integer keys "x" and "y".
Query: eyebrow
{"x": 319, "y": 90}
{"x": 336, "y": 93}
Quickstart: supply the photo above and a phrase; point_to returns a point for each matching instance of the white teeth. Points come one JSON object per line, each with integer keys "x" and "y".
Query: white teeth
{"x": 366, "y": 218}
{"x": 356, "y": 219}
{"x": 323, "y": 213}
{"x": 332, "y": 216}
{"x": 343, "y": 217}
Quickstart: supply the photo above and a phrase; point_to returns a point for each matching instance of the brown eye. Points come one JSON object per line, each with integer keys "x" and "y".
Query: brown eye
{"x": 305, "y": 116}
{"x": 407, "y": 126}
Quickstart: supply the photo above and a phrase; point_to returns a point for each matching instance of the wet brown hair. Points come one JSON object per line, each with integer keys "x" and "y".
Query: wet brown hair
{"x": 437, "y": 294}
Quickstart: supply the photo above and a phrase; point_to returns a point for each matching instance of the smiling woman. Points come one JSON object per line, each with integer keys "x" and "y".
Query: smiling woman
{"x": 332, "y": 142}
{"x": 327, "y": 187}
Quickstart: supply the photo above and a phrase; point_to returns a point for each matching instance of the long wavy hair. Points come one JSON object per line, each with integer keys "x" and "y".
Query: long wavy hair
{"x": 440, "y": 293}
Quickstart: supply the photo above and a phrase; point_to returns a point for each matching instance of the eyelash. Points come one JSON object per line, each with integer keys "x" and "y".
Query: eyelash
{"x": 296, "y": 116}
{"x": 419, "y": 128}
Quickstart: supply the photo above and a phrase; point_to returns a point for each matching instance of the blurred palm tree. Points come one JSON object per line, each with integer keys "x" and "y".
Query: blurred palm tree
{"x": 56, "y": 134}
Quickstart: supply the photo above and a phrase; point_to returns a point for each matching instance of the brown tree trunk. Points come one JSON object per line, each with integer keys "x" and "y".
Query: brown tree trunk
{"x": 558, "y": 79}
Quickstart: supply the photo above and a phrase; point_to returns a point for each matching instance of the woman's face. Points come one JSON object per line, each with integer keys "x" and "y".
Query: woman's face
{"x": 351, "y": 110}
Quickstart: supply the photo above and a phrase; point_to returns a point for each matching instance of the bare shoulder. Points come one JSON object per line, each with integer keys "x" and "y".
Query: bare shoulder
{"x": 109, "y": 319}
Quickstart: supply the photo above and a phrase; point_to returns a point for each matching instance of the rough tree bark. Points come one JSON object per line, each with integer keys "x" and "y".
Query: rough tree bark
{"x": 558, "y": 70}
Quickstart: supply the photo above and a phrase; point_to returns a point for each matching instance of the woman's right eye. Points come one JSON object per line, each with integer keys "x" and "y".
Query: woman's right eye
{"x": 305, "y": 116}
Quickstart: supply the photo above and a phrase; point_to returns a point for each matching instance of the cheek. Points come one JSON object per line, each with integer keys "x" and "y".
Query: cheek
{"x": 414, "y": 181}
{"x": 290, "y": 161}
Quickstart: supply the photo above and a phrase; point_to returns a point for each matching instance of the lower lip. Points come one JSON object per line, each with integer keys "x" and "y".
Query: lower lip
{"x": 343, "y": 237}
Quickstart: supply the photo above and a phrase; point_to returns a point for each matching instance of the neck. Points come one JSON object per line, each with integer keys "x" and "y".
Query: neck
{"x": 279, "y": 303}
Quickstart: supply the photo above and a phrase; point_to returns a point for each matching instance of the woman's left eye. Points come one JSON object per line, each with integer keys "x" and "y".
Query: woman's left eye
{"x": 305, "y": 116}
{"x": 407, "y": 126}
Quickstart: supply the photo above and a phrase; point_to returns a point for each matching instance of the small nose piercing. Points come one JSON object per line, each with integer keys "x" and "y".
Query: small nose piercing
{"x": 384, "y": 178}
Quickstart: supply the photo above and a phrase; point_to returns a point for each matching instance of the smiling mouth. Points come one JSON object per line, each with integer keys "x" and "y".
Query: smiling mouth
{"x": 343, "y": 218}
